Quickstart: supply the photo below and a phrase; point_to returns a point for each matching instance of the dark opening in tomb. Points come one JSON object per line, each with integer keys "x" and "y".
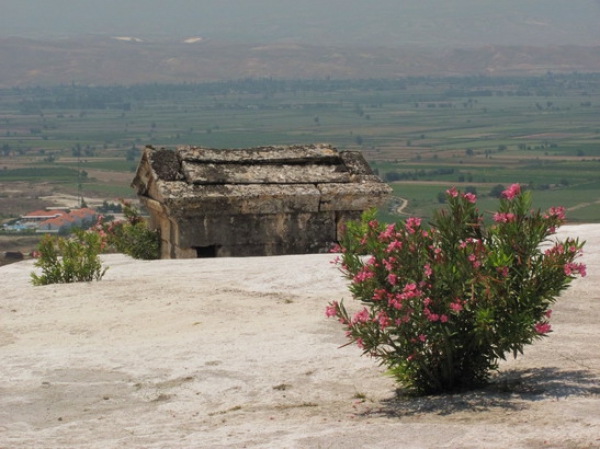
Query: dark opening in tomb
{"x": 204, "y": 252}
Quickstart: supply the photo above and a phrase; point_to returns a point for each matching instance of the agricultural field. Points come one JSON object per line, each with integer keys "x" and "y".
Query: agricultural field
{"x": 422, "y": 135}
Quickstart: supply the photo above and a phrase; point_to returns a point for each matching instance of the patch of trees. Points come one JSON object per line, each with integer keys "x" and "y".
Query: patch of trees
{"x": 107, "y": 207}
{"x": 125, "y": 98}
{"x": 496, "y": 191}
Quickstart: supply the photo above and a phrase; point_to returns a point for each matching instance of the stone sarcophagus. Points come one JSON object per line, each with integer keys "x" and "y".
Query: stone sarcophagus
{"x": 253, "y": 202}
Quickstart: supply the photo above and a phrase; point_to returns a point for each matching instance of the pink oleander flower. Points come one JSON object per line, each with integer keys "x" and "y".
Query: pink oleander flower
{"x": 411, "y": 287}
{"x": 444, "y": 318}
{"x": 427, "y": 269}
{"x": 423, "y": 338}
{"x": 573, "y": 268}
{"x": 395, "y": 303}
{"x": 548, "y": 313}
{"x": 502, "y": 271}
{"x": 503, "y": 217}
{"x": 433, "y": 317}
{"x": 471, "y": 198}
{"x": 452, "y": 192}
{"x": 456, "y": 306}
{"x": 389, "y": 263}
{"x": 383, "y": 319}
{"x": 556, "y": 249}
{"x": 392, "y": 279}
{"x": 412, "y": 223}
{"x": 474, "y": 261}
{"x": 379, "y": 294}
{"x": 393, "y": 246}
{"x": 363, "y": 275}
{"x": 512, "y": 191}
{"x": 543, "y": 328}
{"x": 360, "y": 343}
{"x": 389, "y": 233}
{"x": 331, "y": 309}
{"x": 556, "y": 212}
{"x": 361, "y": 317}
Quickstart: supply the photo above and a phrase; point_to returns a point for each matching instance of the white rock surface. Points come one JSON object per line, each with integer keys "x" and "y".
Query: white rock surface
{"x": 233, "y": 353}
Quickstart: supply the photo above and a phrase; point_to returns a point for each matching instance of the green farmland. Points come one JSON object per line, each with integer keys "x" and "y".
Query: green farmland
{"x": 422, "y": 135}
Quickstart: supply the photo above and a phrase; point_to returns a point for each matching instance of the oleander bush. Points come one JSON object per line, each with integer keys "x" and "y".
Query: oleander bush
{"x": 442, "y": 304}
{"x": 131, "y": 236}
{"x": 64, "y": 260}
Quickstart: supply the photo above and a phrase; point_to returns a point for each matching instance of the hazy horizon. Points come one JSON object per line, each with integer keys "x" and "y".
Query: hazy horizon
{"x": 326, "y": 22}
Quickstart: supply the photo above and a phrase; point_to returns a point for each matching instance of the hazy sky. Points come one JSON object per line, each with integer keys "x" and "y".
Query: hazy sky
{"x": 167, "y": 16}
{"x": 385, "y": 22}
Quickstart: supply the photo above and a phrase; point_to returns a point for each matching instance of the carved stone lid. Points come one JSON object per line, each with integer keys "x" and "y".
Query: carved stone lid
{"x": 300, "y": 178}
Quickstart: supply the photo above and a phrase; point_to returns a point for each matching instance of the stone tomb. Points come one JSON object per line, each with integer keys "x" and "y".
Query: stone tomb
{"x": 253, "y": 202}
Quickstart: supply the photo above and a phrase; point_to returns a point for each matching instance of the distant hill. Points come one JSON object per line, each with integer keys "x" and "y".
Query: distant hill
{"x": 127, "y": 60}
{"x": 373, "y": 23}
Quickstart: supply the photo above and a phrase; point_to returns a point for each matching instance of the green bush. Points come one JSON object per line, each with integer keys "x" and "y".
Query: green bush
{"x": 132, "y": 235}
{"x": 65, "y": 260}
{"x": 443, "y": 304}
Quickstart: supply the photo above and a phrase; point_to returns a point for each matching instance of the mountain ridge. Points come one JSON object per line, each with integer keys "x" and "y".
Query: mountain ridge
{"x": 377, "y": 23}
{"x": 130, "y": 60}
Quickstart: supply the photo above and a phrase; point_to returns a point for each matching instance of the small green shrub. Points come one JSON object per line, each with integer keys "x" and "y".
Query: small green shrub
{"x": 443, "y": 304}
{"x": 64, "y": 260}
{"x": 132, "y": 235}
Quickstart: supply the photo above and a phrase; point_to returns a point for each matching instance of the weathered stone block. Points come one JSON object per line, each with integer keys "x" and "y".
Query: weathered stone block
{"x": 297, "y": 154}
{"x": 257, "y": 201}
{"x": 212, "y": 173}
{"x": 230, "y": 233}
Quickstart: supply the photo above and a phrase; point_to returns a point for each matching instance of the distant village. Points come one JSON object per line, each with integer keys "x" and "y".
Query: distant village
{"x": 54, "y": 221}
